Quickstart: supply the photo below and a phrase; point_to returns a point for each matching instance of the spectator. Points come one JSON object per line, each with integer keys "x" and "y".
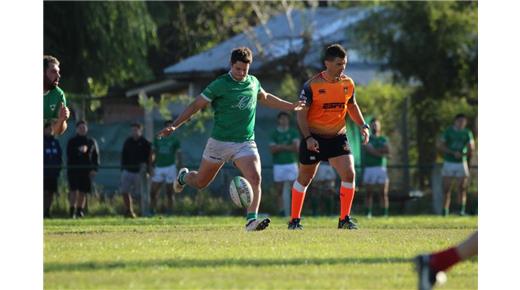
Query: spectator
{"x": 284, "y": 146}
{"x": 135, "y": 160}
{"x": 457, "y": 145}
{"x": 375, "y": 176}
{"x": 323, "y": 190}
{"x": 51, "y": 170}
{"x": 167, "y": 157}
{"x": 55, "y": 109}
{"x": 82, "y": 163}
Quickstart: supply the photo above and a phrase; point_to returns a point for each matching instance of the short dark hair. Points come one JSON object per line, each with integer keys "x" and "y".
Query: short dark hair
{"x": 242, "y": 54}
{"x": 168, "y": 122}
{"x": 334, "y": 50}
{"x": 460, "y": 115}
{"x": 80, "y": 122}
{"x": 136, "y": 125}
{"x": 48, "y": 59}
{"x": 281, "y": 114}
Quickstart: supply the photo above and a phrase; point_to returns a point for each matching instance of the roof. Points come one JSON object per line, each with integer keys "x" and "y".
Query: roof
{"x": 281, "y": 35}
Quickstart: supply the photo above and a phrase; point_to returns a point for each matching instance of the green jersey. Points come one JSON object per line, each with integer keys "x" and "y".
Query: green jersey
{"x": 286, "y": 137}
{"x": 51, "y": 104}
{"x": 377, "y": 142}
{"x": 234, "y": 103}
{"x": 165, "y": 149}
{"x": 458, "y": 141}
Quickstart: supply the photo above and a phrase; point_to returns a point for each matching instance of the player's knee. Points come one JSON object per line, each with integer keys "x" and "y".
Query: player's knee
{"x": 254, "y": 180}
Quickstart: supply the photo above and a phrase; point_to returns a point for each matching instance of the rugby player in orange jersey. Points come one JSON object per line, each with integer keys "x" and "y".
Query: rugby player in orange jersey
{"x": 329, "y": 96}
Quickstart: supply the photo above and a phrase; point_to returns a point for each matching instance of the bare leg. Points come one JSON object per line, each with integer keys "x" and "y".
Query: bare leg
{"x": 127, "y": 198}
{"x": 462, "y": 195}
{"x": 207, "y": 172}
{"x": 446, "y": 182}
{"x": 170, "y": 197}
{"x": 251, "y": 169}
{"x": 468, "y": 248}
{"x": 369, "y": 199}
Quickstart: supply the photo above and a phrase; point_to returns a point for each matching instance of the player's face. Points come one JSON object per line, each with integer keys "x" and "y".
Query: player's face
{"x": 460, "y": 123}
{"x": 136, "y": 132}
{"x": 239, "y": 70}
{"x": 82, "y": 130}
{"x": 376, "y": 126}
{"x": 336, "y": 67}
{"x": 52, "y": 76}
{"x": 283, "y": 121}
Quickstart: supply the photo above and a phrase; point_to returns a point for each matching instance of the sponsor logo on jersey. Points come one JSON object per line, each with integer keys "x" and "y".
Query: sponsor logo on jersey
{"x": 244, "y": 103}
{"x": 322, "y": 91}
{"x": 53, "y": 107}
{"x": 329, "y": 106}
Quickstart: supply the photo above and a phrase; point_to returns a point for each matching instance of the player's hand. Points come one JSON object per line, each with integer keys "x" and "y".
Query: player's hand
{"x": 313, "y": 145}
{"x": 64, "y": 112}
{"x": 365, "y": 133}
{"x": 166, "y": 131}
{"x": 298, "y": 106}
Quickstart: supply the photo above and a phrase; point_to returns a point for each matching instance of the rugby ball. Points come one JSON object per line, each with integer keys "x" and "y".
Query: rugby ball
{"x": 241, "y": 192}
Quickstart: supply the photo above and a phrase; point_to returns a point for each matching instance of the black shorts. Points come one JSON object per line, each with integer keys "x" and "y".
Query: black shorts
{"x": 50, "y": 183}
{"x": 329, "y": 148}
{"x": 79, "y": 181}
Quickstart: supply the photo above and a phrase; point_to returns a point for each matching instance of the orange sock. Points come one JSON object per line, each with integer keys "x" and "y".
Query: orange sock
{"x": 346, "y": 196}
{"x": 298, "y": 196}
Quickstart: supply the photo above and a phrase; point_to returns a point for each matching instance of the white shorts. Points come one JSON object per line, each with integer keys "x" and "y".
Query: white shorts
{"x": 285, "y": 172}
{"x": 325, "y": 172}
{"x": 375, "y": 175}
{"x": 165, "y": 174}
{"x": 220, "y": 151}
{"x": 455, "y": 169}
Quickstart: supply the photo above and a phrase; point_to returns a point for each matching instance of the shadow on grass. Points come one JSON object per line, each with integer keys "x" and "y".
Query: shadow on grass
{"x": 188, "y": 263}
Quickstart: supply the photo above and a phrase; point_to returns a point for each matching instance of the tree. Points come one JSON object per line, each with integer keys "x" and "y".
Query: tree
{"x": 432, "y": 45}
{"x": 99, "y": 44}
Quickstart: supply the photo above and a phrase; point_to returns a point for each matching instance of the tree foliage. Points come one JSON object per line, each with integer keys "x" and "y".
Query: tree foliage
{"x": 99, "y": 44}
{"x": 433, "y": 46}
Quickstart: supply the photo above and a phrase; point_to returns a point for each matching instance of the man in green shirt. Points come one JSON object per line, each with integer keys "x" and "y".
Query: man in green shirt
{"x": 234, "y": 98}
{"x": 167, "y": 155}
{"x": 284, "y": 146}
{"x": 375, "y": 177}
{"x": 55, "y": 109}
{"x": 457, "y": 144}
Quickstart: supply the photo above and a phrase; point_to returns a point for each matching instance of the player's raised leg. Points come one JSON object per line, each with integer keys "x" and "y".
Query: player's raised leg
{"x": 201, "y": 178}
{"x": 344, "y": 166}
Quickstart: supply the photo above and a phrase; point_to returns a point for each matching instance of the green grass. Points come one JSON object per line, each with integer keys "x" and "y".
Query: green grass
{"x": 216, "y": 253}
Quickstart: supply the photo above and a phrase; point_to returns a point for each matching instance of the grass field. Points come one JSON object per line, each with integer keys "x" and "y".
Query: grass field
{"x": 209, "y": 252}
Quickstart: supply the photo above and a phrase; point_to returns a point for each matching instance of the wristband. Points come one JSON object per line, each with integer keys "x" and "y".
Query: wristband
{"x": 365, "y": 126}
{"x": 305, "y": 139}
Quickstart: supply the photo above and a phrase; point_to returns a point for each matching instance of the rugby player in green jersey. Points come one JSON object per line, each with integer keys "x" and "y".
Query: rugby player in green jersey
{"x": 234, "y": 98}
{"x": 55, "y": 109}
{"x": 457, "y": 144}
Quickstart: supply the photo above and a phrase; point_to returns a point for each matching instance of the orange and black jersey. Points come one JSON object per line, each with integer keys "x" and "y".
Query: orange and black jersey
{"x": 327, "y": 102}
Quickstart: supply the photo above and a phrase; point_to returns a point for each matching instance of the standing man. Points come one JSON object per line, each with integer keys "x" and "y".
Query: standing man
{"x": 457, "y": 144}
{"x": 135, "y": 160}
{"x": 284, "y": 145}
{"x": 329, "y": 96}
{"x": 375, "y": 176}
{"x": 234, "y": 98}
{"x": 51, "y": 171}
{"x": 167, "y": 157}
{"x": 82, "y": 164}
{"x": 55, "y": 109}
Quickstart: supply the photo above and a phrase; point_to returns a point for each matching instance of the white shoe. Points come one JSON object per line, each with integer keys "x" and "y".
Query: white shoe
{"x": 177, "y": 185}
{"x": 257, "y": 225}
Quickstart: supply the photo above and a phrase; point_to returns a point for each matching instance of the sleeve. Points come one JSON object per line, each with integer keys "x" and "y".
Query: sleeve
{"x": 306, "y": 94}
{"x": 471, "y": 139}
{"x": 63, "y": 99}
{"x": 272, "y": 140}
{"x": 259, "y": 86}
{"x": 95, "y": 155}
{"x": 211, "y": 91}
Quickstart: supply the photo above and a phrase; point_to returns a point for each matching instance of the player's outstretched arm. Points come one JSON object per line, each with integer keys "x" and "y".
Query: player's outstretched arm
{"x": 272, "y": 101}
{"x": 192, "y": 108}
